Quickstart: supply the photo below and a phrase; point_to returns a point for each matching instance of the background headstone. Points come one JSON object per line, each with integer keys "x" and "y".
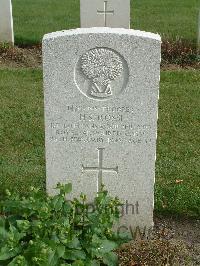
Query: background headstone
{"x": 6, "y": 22}
{"x": 100, "y": 13}
{"x": 101, "y": 104}
{"x": 198, "y": 37}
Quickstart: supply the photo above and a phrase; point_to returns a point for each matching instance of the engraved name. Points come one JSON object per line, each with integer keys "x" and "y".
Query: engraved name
{"x": 111, "y": 126}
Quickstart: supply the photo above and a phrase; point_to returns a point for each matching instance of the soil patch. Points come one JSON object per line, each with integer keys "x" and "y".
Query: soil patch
{"x": 16, "y": 57}
{"x": 173, "y": 242}
{"x": 31, "y": 57}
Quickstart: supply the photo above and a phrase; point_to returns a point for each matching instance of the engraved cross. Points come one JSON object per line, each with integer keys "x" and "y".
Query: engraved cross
{"x": 100, "y": 169}
{"x": 105, "y": 12}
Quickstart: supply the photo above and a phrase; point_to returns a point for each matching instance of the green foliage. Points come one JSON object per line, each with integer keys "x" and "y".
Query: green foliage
{"x": 4, "y": 46}
{"x": 44, "y": 230}
{"x": 34, "y": 18}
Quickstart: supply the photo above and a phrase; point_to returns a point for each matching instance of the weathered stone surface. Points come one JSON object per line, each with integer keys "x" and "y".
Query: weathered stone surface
{"x": 101, "y": 103}
{"x": 100, "y": 13}
{"x": 6, "y": 22}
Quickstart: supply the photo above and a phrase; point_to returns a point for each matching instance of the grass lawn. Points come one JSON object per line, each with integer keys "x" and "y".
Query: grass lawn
{"x": 22, "y": 137}
{"x": 178, "y": 150}
{"x": 21, "y": 130}
{"x": 34, "y": 18}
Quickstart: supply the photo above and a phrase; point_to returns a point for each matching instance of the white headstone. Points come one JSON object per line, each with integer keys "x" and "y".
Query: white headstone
{"x": 101, "y": 105}
{"x": 100, "y": 13}
{"x": 198, "y": 37}
{"x": 6, "y": 22}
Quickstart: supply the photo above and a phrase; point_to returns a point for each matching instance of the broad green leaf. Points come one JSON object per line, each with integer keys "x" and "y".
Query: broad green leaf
{"x": 110, "y": 259}
{"x": 67, "y": 188}
{"x": 61, "y": 251}
{"x": 3, "y": 233}
{"x": 93, "y": 263}
{"x": 7, "y": 253}
{"x": 53, "y": 259}
{"x": 74, "y": 254}
{"x": 78, "y": 263}
{"x": 74, "y": 244}
{"x": 106, "y": 246}
{"x": 57, "y": 203}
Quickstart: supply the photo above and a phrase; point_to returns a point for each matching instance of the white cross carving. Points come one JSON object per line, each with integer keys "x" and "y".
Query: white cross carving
{"x": 105, "y": 12}
{"x": 100, "y": 169}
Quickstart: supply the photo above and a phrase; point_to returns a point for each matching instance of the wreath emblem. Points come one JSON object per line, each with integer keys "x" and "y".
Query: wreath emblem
{"x": 101, "y": 66}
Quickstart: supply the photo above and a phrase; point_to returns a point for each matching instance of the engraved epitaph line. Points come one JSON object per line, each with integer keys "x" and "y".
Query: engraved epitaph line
{"x": 100, "y": 169}
{"x": 105, "y": 12}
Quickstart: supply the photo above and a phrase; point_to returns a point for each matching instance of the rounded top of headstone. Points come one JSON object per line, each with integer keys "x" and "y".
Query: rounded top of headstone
{"x": 105, "y": 30}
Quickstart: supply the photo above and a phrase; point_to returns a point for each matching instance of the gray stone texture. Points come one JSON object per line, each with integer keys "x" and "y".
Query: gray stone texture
{"x": 101, "y": 90}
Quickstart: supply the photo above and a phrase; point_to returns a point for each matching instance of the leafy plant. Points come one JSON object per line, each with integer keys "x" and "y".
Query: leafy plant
{"x": 44, "y": 230}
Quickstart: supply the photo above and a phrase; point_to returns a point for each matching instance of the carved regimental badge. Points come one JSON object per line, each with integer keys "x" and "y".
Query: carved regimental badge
{"x": 101, "y": 73}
